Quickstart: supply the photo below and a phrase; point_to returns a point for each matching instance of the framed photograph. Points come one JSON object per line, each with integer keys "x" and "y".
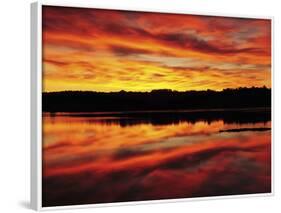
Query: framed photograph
{"x": 133, "y": 106}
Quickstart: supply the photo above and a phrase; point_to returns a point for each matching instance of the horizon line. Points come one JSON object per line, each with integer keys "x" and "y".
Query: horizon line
{"x": 162, "y": 89}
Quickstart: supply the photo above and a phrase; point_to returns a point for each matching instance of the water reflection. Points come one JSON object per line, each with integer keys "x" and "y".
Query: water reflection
{"x": 95, "y": 159}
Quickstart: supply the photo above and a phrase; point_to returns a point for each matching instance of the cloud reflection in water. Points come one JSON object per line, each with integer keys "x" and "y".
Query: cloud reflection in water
{"x": 88, "y": 160}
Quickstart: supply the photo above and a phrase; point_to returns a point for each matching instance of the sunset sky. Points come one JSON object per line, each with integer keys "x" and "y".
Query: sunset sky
{"x": 106, "y": 50}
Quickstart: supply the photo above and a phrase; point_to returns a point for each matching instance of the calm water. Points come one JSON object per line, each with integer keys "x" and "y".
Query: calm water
{"x": 110, "y": 159}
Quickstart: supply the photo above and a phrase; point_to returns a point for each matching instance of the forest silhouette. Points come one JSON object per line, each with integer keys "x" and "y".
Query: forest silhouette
{"x": 162, "y": 99}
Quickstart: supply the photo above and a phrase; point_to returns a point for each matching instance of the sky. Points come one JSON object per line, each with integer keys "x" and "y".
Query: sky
{"x": 110, "y": 50}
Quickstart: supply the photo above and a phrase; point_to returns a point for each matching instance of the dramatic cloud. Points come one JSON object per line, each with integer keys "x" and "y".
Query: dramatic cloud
{"x": 111, "y": 50}
{"x": 127, "y": 51}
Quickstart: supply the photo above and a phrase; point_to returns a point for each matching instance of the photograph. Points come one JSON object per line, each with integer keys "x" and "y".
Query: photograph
{"x": 146, "y": 106}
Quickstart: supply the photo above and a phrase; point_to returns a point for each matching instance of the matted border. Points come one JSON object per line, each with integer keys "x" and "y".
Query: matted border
{"x": 36, "y": 104}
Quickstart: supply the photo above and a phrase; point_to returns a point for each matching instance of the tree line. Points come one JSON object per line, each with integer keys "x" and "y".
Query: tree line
{"x": 162, "y": 99}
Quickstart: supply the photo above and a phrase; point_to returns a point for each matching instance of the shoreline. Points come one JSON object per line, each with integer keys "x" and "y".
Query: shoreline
{"x": 136, "y": 112}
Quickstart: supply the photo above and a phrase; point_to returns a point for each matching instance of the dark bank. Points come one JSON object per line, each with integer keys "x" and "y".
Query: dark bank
{"x": 163, "y": 99}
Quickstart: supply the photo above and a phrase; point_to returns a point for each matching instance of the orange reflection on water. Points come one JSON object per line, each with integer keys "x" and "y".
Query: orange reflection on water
{"x": 104, "y": 161}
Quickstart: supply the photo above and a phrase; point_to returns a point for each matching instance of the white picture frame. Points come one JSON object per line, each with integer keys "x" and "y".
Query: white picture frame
{"x": 36, "y": 106}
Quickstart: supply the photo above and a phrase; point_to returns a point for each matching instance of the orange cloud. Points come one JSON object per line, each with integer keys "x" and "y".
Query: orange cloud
{"x": 110, "y": 50}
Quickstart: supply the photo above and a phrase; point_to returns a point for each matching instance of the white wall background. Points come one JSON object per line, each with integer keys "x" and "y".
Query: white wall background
{"x": 15, "y": 103}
